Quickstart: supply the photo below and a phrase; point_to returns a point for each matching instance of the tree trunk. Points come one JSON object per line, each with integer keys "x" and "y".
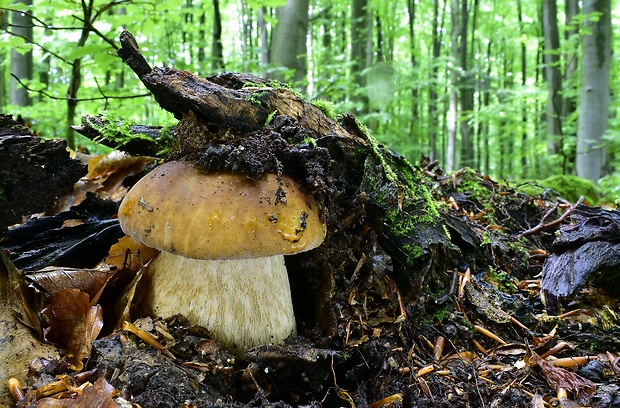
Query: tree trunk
{"x": 553, "y": 76}
{"x": 217, "y": 62}
{"x": 263, "y": 40}
{"x": 21, "y": 63}
{"x": 466, "y": 92}
{"x": 415, "y": 115}
{"x": 452, "y": 117}
{"x": 524, "y": 142}
{"x": 432, "y": 87}
{"x": 594, "y": 98}
{"x": 288, "y": 47}
{"x": 360, "y": 32}
{"x": 3, "y": 55}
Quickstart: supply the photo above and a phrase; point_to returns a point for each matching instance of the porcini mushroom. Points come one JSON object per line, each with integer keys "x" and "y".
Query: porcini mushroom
{"x": 223, "y": 237}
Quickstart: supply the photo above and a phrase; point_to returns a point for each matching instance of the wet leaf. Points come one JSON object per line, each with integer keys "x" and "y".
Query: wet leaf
{"x": 77, "y": 320}
{"x": 558, "y": 377}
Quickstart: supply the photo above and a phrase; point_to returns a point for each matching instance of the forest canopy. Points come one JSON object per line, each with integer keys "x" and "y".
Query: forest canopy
{"x": 495, "y": 86}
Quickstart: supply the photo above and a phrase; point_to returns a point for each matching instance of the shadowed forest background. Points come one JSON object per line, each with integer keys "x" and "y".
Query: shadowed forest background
{"x": 519, "y": 89}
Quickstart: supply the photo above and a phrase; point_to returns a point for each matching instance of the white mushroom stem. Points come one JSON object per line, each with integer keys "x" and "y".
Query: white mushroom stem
{"x": 244, "y": 303}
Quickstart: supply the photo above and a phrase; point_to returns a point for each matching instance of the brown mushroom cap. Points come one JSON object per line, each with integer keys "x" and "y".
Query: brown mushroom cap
{"x": 180, "y": 209}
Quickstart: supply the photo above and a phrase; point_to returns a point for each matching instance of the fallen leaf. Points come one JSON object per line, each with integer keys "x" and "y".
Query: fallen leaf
{"x": 558, "y": 377}
{"x": 72, "y": 314}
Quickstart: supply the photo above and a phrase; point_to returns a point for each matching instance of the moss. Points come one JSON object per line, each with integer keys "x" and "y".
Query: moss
{"x": 270, "y": 117}
{"x": 119, "y": 133}
{"x": 327, "y": 107}
{"x": 257, "y": 97}
{"x": 501, "y": 280}
{"x": 409, "y": 214}
{"x": 571, "y": 187}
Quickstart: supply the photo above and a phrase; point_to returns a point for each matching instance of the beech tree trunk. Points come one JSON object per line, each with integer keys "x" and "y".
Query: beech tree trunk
{"x": 288, "y": 48}
{"x": 594, "y": 98}
{"x": 553, "y": 75}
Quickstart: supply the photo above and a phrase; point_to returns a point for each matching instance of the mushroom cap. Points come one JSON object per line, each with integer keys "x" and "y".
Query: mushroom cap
{"x": 178, "y": 208}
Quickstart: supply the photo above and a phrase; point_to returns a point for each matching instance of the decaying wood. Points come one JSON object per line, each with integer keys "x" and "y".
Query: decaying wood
{"x": 236, "y": 103}
{"x": 33, "y": 172}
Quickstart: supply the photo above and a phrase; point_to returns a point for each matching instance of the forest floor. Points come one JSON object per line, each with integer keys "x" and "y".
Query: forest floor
{"x": 489, "y": 342}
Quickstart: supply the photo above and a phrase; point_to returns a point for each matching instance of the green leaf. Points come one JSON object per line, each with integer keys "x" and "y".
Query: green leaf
{"x": 256, "y": 4}
{"x": 88, "y": 49}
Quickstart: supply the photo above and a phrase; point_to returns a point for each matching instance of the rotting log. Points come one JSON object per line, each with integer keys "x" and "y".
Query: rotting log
{"x": 382, "y": 224}
{"x": 33, "y": 172}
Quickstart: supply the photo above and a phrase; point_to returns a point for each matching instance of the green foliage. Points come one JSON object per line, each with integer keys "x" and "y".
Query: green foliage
{"x": 509, "y": 134}
{"x": 572, "y": 187}
{"x": 327, "y": 107}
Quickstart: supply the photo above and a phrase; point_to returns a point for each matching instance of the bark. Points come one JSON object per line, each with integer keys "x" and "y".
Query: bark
{"x": 288, "y": 47}
{"x": 594, "y": 98}
{"x": 553, "y": 76}
{"x": 21, "y": 63}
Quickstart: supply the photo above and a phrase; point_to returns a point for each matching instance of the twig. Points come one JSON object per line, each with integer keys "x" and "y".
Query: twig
{"x": 64, "y": 98}
{"x": 541, "y": 225}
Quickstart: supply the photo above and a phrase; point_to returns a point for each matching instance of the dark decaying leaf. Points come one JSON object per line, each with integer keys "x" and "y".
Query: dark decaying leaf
{"x": 18, "y": 296}
{"x": 78, "y": 322}
{"x": 48, "y": 241}
{"x": 558, "y": 377}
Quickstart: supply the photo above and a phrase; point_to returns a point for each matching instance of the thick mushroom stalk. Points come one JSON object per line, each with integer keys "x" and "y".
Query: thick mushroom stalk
{"x": 222, "y": 238}
{"x": 243, "y": 302}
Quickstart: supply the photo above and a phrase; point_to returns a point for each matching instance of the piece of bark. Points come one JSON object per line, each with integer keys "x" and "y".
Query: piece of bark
{"x": 33, "y": 172}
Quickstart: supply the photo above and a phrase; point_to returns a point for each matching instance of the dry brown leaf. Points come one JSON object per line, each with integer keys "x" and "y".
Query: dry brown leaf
{"x": 53, "y": 279}
{"x": 558, "y": 377}
{"x": 105, "y": 177}
{"x": 98, "y": 395}
{"x": 79, "y": 322}
{"x": 129, "y": 253}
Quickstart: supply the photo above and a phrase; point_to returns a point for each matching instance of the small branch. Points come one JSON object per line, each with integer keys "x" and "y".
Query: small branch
{"x": 58, "y": 98}
{"x": 541, "y": 225}
{"x": 130, "y": 54}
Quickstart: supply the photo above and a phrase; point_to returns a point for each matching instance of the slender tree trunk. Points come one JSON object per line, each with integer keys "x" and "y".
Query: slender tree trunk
{"x": 21, "y": 64}
{"x": 217, "y": 61}
{"x": 432, "y": 87}
{"x": 524, "y": 142}
{"x": 415, "y": 115}
{"x": 553, "y": 76}
{"x": 360, "y": 18}
{"x": 452, "y": 117}
{"x": 263, "y": 40}
{"x": 3, "y": 55}
{"x": 594, "y": 98}
{"x": 289, "y": 39}
{"x": 466, "y": 92}
{"x": 76, "y": 75}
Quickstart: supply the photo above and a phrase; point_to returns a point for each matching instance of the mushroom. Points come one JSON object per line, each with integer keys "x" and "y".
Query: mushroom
{"x": 222, "y": 237}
